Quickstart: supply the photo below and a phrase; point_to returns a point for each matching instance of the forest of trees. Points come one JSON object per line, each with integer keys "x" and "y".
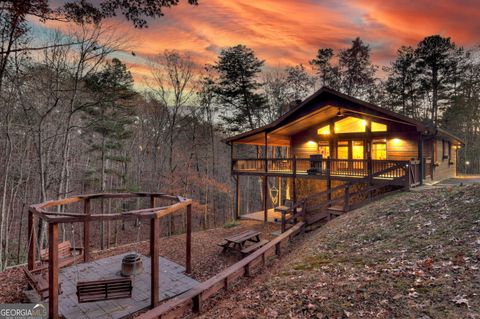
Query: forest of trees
{"x": 72, "y": 121}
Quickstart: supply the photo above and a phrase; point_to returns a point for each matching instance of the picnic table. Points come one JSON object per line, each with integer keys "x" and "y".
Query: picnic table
{"x": 238, "y": 242}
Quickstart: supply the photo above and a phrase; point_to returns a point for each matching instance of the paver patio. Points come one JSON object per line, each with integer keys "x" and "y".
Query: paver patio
{"x": 173, "y": 281}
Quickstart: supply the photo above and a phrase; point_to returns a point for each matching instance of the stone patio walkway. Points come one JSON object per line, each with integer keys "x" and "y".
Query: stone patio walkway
{"x": 173, "y": 282}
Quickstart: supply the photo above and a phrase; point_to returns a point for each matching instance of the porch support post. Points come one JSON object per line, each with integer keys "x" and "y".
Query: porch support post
{"x": 53, "y": 270}
{"x": 279, "y": 181}
{"x": 154, "y": 260}
{"x": 86, "y": 231}
{"x": 32, "y": 244}
{"x": 265, "y": 198}
{"x": 265, "y": 181}
{"x": 329, "y": 181}
{"x": 231, "y": 158}
{"x": 420, "y": 157}
{"x": 237, "y": 197}
{"x": 294, "y": 186}
{"x": 188, "y": 252}
{"x": 266, "y": 153}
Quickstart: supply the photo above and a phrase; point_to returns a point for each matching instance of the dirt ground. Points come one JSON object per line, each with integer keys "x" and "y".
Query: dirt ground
{"x": 410, "y": 255}
{"x": 207, "y": 259}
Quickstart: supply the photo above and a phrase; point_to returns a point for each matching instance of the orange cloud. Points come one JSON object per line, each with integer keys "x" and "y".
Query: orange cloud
{"x": 289, "y": 32}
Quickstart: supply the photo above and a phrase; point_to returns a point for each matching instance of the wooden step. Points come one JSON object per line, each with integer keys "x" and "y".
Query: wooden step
{"x": 336, "y": 210}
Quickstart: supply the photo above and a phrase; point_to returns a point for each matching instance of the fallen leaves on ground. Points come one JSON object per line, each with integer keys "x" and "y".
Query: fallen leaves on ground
{"x": 410, "y": 255}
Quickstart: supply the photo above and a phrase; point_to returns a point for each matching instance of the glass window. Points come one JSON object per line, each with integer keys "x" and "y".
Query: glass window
{"x": 378, "y": 127}
{"x": 379, "y": 150}
{"x": 324, "y": 130}
{"x": 342, "y": 150}
{"x": 350, "y": 125}
{"x": 324, "y": 148}
{"x": 358, "y": 151}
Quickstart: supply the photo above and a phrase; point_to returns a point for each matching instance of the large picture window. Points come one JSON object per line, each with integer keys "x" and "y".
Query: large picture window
{"x": 350, "y": 125}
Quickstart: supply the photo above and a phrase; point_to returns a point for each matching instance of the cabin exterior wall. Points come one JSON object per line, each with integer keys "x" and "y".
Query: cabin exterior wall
{"x": 445, "y": 160}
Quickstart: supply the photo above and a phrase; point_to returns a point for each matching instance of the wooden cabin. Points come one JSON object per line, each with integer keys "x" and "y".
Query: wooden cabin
{"x": 339, "y": 140}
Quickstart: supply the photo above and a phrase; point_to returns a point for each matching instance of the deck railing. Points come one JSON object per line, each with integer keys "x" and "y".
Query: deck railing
{"x": 333, "y": 167}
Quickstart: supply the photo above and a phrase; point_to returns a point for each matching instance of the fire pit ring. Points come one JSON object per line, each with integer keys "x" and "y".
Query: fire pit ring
{"x": 132, "y": 264}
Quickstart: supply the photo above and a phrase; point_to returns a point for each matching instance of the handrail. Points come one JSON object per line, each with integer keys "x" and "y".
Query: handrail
{"x": 328, "y": 166}
{"x": 194, "y": 298}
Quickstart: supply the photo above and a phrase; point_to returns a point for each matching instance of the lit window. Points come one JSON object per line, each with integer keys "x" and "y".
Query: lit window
{"x": 378, "y": 127}
{"x": 357, "y": 150}
{"x": 324, "y": 148}
{"x": 350, "y": 125}
{"x": 342, "y": 149}
{"x": 324, "y": 130}
{"x": 379, "y": 150}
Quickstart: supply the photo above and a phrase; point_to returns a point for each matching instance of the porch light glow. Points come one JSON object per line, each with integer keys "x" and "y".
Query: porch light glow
{"x": 396, "y": 141}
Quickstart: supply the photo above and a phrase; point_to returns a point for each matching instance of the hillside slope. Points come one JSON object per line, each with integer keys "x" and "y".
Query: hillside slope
{"x": 411, "y": 255}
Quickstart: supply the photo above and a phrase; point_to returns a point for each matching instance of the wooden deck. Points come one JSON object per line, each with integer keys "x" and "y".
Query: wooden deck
{"x": 173, "y": 282}
{"x": 273, "y": 217}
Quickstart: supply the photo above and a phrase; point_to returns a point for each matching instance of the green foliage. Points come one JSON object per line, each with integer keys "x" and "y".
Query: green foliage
{"x": 237, "y": 88}
{"x": 436, "y": 65}
{"x": 402, "y": 83}
{"x": 353, "y": 74}
{"x": 109, "y": 118}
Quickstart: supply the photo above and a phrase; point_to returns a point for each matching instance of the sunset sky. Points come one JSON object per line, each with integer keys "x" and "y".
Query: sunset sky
{"x": 289, "y": 32}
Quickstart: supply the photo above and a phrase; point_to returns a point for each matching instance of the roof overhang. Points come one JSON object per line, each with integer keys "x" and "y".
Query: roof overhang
{"x": 319, "y": 107}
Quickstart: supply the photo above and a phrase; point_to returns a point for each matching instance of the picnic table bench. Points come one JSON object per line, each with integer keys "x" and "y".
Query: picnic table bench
{"x": 237, "y": 242}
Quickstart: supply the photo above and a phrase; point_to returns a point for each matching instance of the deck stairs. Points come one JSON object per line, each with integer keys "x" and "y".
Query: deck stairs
{"x": 322, "y": 206}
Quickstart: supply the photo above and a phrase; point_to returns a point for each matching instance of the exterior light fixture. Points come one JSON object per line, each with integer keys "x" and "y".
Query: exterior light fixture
{"x": 467, "y": 163}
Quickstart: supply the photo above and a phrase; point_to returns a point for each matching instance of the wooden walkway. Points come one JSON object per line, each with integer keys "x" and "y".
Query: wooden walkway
{"x": 173, "y": 282}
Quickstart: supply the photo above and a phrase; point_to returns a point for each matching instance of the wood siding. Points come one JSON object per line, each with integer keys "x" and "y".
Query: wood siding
{"x": 402, "y": 149}
{"x": 444, "y": 169}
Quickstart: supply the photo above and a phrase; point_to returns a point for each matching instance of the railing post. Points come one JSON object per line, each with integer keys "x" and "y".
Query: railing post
{"x": 237, "y": 197}
{"x": 53, "y": 270}
{"x": 155, "y": 261}
{"x": 346, "y": 204}
{"x": 86, "y": 230}
{"x": 32, "y": 244}
{"x": 188, "y": 261}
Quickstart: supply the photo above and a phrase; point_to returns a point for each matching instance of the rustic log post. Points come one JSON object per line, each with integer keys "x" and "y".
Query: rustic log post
{"x": 32, "y": 244}
{"x": 237, "y": 197}
{"x": 53, "y": 270}
{"x": 86, "y": 230}
{"x": 283, "y": 222}
{"x": 154, "y": 259}
{"x": 188, "y": 262}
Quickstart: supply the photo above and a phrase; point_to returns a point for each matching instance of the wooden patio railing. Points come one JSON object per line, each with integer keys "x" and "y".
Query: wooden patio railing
{"x": 193, "y": 299}
{"x": 334, "y": 167}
